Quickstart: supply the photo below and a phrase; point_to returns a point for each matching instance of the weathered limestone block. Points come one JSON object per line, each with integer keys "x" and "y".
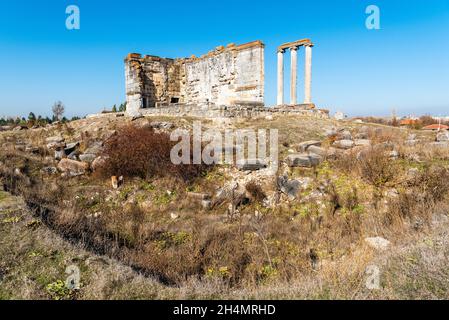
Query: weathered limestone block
{"x": 344, "y": 135}
{"x": 443, "y": 136}
{"x": 362, "y": 142}
{"x": 206, "y": 204}
{"x": 303, "y": 146}
{"x": 361, "y": 135}
{"x": 378, "y": 243}
{"x": 326, "y": 153}
{"x": 161, "y": 125}
{"x": 440, "y": 144}
{"x": 54, "y": 139}
{"x": 95, "y": 148}
{"x": 55, "y": 142}
{"x": 343, "y": 144}
{"x": 251, "y": 164}
{"x": 70, "y": 147}
{"x": 232, "y": 192}
{"x": 288, "y": 187}
{"x": 19, "y": 128}
{"x": 198, "y": 196}
{"x": 59, "y": 154}
{"x": 98, "y": 163}
{"x": 330, "y": 132}
{"x": 73, "y": 155}
{"x": 6, "y": 128}
{"x": 87, "y": 157}
{"x": 393, "y": 154}
{"x": 303, "y": 160}
{"x": 72, "y": 167}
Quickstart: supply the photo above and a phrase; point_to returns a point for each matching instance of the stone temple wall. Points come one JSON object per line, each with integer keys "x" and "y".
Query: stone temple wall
{"x": 225, "y": 76}
{"x": 151, "y": 80}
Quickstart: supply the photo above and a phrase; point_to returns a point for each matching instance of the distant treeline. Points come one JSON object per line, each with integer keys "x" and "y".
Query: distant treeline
{"x": 33, "y": 120}
{"x": 416, "y": 123}
{"x": 58, "y": 110}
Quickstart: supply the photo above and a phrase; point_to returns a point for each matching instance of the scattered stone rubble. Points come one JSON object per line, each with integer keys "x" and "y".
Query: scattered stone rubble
{"x": 71, "y": 161}
{"x": 312, "y": 153}
{"x": 73, "y": 158}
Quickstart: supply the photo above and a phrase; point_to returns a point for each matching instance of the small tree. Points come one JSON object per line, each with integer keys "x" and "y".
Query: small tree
{"x": 31, "y": 118}
{"x": 114, "y": 108}
{"x": 58, "y": 110}
{"x": 122, "y": 107}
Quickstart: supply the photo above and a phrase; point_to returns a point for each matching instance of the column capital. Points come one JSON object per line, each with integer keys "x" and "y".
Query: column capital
{"x": 295, "y": 48}
{"x": 280, "y": 50}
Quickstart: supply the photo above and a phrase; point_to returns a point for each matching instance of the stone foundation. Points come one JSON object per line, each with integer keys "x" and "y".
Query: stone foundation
{"x": 214, "y": 111}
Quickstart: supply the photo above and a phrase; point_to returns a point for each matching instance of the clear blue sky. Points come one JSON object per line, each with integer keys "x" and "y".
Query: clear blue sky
{"x": 404, "y": 66}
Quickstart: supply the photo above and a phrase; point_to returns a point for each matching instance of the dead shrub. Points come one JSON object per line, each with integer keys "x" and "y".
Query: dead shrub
{"x": 255, "y": 191}
{"x": 144, "y": 153}
{"x": 376, "y": 167}
{"x": 423, "y": 193}
{"x": 346, "y": 162}
{"x": 432, "y": 183}
{"x": 373, "y": 165}
{"x": 383, "y": 135}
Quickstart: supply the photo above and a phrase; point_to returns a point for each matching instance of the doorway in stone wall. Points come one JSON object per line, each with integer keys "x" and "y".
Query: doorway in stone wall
{"x": 148, "y": 103}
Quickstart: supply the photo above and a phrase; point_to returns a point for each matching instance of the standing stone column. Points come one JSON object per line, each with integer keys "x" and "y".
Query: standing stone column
{"x": 293, "y": 74}
{"x": 280, "y": 95}
{"x": 308, "y": 75}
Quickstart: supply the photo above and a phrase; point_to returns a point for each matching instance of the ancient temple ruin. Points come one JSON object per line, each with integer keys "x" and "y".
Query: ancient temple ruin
{"x": 231, "y": 75}
{"x": 222, "y": 82}
{"x": 293, "y": 47}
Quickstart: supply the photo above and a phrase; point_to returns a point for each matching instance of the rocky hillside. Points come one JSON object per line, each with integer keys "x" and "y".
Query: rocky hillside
{"x": 345, "y": 194}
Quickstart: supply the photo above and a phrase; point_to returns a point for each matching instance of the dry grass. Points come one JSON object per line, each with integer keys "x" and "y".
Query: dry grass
{"x": 373, "y": 165}
{"x": 308, "y": 247}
